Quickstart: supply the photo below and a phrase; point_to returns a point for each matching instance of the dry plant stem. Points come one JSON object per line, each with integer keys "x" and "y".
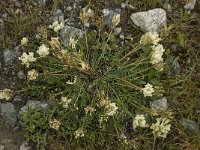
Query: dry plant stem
{"x": 86, "y": 42}
{"x": 154, "y": 142}
{"x": 139, "y": 72}
{"x": 131, "y": 52}
{"x": 136, "y": 63}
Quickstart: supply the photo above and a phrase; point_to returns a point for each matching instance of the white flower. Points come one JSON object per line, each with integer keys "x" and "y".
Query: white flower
{"x": 150, "y": 37}
{"x": 65, "y": 102}
{"x": 6, "y": 94}
{"x": 89, "y": 110}
{"x": 27, "y": 59}
{"x": 55, "y": 124}
{"x": 56, "y": 26}
{"x": 139, "y": 121}
{"x": 24, "y": 41}
{"x": 161, "y": 127}
{"x": 72, "y": 42}
{"x": 43, "y": 50}
{"x": 111, "y": 109}
{"x": 157, "y": 53}
{"x": 79, "y": 133}
{"x": 115, "y": 20}
{"x": 32, "y": 74}
{"x": 147, "y": 90}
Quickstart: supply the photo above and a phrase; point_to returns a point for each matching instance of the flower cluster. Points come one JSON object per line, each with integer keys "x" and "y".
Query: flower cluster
{"x": 156, "y": 55}
{"x": 5, "y": 94}
{"x": 147, "y": 90}
{"x": 55, "y": 43}
{"x": 27, "y": 58}
{"x": 150, "y": 38}
{"x": 54, "y": 124}
{"x": 79, "y": 133}
{"x": 111, "y": 109}
{"x": 56, "y": 26}
{"x": 161, "y": 127}
{"x": 115, "y": 20}
{"x": 43, "y": 50}
{"x": 89, "y": 110}
{"x": 85, "y": 15}
{"x": 32, "y": 74}
{"x": 72, "y": 42}
{"x": 65, "y": 102}
{"x": 24, "y": 41}
{"x": 139, "y": 121}
{"x": 157, "y": 49}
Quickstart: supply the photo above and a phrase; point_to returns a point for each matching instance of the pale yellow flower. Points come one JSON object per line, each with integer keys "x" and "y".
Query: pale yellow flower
{"x": 27, "y": 58}
{"x": 6, "y": 94}
{"x": 55, "y": 124}
{"x": 65, "y": 102}
{"x": 32, "y": 74}
{"x": 139, "y": 121}
{"x": 161, "y": 127}
{"x": 43, "y": 50}
{"x": 24, "y": 41}
{"x": 79, "y": 133}
{"x": 56, "y": 26}
{"x": 147, "y": 90}
{"x": 115, "y": 20}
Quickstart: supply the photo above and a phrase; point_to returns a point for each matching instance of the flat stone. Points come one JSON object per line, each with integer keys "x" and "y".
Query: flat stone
{"x": 17, "y": 98}
{"x": 17, "y": 4}
{"x": 160, "y": 104}
{"x": 58, "y": 15}
{"x": 9, "y": 113}
{"x": 68, "y": 32}
{"x": 190, "y": 5}
{"x": 109, "y": 14}
{"x": 34, "y": 105}
{"x": 21, "y": 75}
{"x": 1, "y": 147}
{"x": 189, "y": 125}
{"x": 152, "y": 20}
{"x": 9, "y": 56}
{"x": 24, "y": 146}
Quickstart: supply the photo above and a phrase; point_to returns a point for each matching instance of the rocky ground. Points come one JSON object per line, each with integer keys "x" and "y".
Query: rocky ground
{"x": 11, "y": 73}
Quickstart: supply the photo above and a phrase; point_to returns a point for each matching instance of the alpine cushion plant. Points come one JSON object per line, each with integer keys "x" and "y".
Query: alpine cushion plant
{"x": 96, "y": 85}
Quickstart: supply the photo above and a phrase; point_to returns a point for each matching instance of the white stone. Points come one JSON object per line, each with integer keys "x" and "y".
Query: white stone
{"x": 190, "y": 5}
{"x": 160, "y": 104}
{"x": 151, "y": 20}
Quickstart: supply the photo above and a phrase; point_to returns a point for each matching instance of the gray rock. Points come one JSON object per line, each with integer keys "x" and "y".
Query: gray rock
{"x": 24, "y": 146}
{"x": 21, "y": 75}
{"x": 9, "y": 113}
{"x": 160, "y": 104}
{"x": 17, "y": 4}
{"x": 117, "y": 31}
{"x": 189, "y": 125}
{"x": 1, "y": 147}
{"x": 9, "y": 56}
{"x": 58, "y": 16}
{"x": 17, "y": 98}
{"x": 43, "y": 2}
{"x": 151, "y": 20}
{"x": 68, "y": 32}
{"x": 177, "y": 69}
{"x": 34, "y": 105}
{"x": 190, "y": 5}
{"x": 108, "y": 15}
